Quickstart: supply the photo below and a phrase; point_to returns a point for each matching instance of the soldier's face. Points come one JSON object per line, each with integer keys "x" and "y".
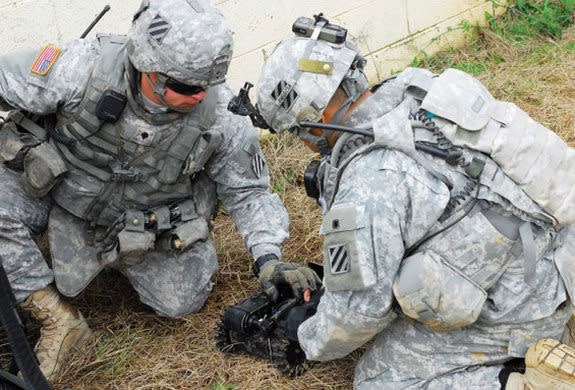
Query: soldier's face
{"x": 337, "y": 100}
{"x": 178, "y": 97}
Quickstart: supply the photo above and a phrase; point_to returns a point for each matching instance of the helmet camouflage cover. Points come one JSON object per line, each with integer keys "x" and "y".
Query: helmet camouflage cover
{"x": 300, "y": 75}
{"x": 188, "y": 40}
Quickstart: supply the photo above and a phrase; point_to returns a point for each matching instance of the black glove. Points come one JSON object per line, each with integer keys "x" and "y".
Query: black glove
{"x": 275, "y": 273}
{"x": 299, "y": 314}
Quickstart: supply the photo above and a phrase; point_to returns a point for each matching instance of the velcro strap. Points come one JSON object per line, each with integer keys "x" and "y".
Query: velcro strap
{"x": 529, "y": 253}
{"x": 19, "y": 118}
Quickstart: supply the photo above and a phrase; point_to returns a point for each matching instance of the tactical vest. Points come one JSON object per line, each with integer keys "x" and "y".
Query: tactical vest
{"x": 488, "y": 222}
{"x": 139, "y": 161}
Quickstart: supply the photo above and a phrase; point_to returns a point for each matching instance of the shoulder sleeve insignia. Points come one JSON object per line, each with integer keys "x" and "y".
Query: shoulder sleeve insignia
{"x": 44, "y": 61}
{"x": 258, "y": 165}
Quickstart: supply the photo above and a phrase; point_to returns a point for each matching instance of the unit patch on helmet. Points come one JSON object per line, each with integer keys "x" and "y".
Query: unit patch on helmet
{"x": 258, "y": 165}
{"x": 339, "y": 259}
{"x": 159, "y": 28}
{"x": 44, "y": 61}
{"x": 285, "y": 94}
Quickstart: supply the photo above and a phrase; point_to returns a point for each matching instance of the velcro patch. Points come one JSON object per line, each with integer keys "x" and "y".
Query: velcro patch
{"x": 44, "y": 61}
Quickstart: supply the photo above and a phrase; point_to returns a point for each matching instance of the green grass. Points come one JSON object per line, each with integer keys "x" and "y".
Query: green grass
{"x": 528, "y": 18}
{"x": 222, "y": 385}
{"x": 525, "y": 27}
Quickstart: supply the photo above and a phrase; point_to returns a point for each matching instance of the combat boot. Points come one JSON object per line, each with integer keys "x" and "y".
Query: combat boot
{"x": 63, "y": 328}
{"x": 549, "y": 365}
{"x": 569, "y": 333}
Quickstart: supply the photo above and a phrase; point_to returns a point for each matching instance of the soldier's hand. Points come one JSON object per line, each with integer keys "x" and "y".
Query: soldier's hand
{"x": 298, "y": 314}
{"x": 298, "y": 277}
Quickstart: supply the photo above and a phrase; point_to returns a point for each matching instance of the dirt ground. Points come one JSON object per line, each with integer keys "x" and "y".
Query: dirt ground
{"x": 137, "y": 350}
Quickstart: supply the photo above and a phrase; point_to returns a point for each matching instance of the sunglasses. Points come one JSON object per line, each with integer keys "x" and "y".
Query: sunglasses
{"x": 183, "y": 89}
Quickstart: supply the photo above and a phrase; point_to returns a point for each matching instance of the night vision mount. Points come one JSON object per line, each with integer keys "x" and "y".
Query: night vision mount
{"x": 243, "y": 106}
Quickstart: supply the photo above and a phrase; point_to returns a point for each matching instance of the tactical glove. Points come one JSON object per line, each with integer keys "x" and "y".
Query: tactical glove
{"x": 299, "y": 314}
{"x": 299, "y": 278}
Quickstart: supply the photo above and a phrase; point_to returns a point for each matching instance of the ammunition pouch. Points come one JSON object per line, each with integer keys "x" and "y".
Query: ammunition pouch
{"x": 134, "y": 240}
{"x": 188, "y": 233}
{"x": 163, "y": 228}
{"x": 43, "y": 165}
{"x": 181, "y": 225}
{"x": 14, "y": 144}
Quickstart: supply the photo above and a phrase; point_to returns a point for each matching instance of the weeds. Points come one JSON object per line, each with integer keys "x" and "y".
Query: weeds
{"x": 528, "y": 18}
{"x": 523, "y": 31}
{"x": 224, "y": 386}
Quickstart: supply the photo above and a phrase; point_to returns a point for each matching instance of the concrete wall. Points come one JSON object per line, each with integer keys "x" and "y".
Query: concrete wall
{"x": 391, "y": 32}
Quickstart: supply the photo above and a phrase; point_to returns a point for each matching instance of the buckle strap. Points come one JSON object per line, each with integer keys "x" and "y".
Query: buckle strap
{"x": 124, "y": 175}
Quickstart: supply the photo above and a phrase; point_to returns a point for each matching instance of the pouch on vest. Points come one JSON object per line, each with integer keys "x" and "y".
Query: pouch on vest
{"x": 134, "y": 240}
{"x": 190, "y": 229}
{"x": 43, "y": 165}
{"x": 536, "y": 158}
{"x": 433, "y": 292}
{"x": 187, "y": 234}
{"x": 202, "y": 150}
{"x": 14, "y": 144}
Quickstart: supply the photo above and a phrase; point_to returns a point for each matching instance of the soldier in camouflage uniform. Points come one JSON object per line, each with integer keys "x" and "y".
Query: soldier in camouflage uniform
{"x": 433, "y": 252}
{"x": 110, "y": 150}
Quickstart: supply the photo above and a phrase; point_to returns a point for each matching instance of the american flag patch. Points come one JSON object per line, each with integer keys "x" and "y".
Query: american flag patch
{"x": 339, "y": 260}
{"x": 45, "y": 60}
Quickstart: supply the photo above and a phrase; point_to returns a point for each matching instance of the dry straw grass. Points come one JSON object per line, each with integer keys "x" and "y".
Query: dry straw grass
{"x": 137, "y": 350}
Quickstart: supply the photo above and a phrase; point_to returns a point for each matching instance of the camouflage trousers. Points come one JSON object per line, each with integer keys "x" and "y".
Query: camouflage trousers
{"x": 172, "y": 284}
{"x": 409, "y": 355}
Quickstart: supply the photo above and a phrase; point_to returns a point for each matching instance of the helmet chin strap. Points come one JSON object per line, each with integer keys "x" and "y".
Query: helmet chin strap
{"x": 309, "y": 114}
{"x": 135, "y": 99}
{"x": 319, "y": 141}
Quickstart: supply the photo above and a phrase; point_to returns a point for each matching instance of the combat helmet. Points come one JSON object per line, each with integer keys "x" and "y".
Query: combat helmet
{"x": 186, "y": 40}
{"x": 302, "y": 74}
